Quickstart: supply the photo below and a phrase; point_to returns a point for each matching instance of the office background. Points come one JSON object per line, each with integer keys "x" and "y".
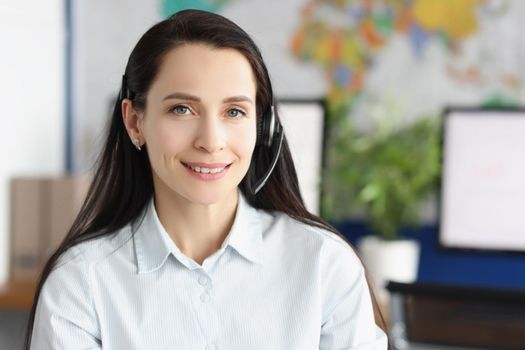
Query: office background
{"x": 64, "y": 59}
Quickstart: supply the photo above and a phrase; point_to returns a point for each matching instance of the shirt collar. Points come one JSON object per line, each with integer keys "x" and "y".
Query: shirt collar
{"x": 246, "y": 232}
{"x": 153, "y": 244}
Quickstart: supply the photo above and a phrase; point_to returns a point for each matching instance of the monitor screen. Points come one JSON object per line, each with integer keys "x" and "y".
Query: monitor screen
{"x": 483, "y": 182}
{"x": 303, "y": 123}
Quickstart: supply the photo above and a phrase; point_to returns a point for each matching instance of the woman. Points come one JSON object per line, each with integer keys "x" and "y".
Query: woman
{"x": 194, "y": 234}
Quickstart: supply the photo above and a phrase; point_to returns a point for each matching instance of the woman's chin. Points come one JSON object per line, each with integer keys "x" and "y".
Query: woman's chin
{"x": 208, "y": 197}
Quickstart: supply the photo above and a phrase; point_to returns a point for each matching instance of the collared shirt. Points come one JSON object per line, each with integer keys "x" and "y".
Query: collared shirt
{"x": 275, "y": 283}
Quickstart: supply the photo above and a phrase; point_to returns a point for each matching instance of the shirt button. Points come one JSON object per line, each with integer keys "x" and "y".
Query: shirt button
{"x": 205, "y": 297}
{"x": 210, "y": 347}
{"x": 203, "y": 281}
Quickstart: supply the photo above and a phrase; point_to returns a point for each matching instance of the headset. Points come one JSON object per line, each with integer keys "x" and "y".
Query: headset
{"x": 270, "y": 133}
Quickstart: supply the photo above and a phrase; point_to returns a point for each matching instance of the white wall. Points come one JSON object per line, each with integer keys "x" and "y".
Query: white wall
{"x": 103, "y": 33}
{"x": 32, "y": 71}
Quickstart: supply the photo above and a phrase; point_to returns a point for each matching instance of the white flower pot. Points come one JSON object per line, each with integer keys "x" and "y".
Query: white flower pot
{"x": 396, "y": 260}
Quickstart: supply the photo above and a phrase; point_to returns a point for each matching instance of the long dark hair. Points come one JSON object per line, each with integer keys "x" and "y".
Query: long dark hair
{"x": 123, "y": 184}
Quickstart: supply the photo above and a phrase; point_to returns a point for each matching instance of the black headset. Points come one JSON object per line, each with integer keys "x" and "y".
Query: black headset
{"x": 269, "y": 133}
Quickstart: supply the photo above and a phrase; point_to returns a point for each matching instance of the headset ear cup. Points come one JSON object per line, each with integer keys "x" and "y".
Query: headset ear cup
{"x": 270, "y": 127}
{"x": 260, "y": 128}
{"x": 267, "y": 127}
{"x": 263, "y": 129}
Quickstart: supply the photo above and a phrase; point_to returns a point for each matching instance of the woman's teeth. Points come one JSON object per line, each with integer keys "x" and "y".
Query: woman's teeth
{"x": 206, "y": 170}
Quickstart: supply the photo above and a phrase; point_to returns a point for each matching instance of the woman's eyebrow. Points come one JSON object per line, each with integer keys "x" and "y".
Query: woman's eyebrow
{"x": 184, "y": 96}
{"x": 240, "y": 98}
{"x": 181, "y": 96}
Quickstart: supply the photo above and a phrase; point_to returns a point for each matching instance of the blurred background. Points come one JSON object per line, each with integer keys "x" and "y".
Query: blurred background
{"x": 389, "y": 77}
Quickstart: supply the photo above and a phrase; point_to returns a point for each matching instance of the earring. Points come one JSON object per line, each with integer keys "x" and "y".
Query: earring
{"x": 136, "y": 142}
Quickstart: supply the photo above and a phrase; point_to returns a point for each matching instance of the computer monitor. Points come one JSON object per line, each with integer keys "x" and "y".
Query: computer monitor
{"x": 304, "y": 125}
{"x": 483, "y": 179}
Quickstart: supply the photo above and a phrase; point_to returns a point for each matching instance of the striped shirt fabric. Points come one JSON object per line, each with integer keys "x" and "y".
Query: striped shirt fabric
{"x": 275, "y": 283}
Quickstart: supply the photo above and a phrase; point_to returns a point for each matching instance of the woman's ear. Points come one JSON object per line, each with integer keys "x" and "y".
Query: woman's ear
{"x": 132, "y": 120}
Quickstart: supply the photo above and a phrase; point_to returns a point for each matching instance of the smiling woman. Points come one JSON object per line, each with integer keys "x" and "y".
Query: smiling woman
{"x": 194, "y": 233}
{"x": 200, "y": 112}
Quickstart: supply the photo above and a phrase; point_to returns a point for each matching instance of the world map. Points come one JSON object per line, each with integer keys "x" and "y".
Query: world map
{"x": 347, "y": 38}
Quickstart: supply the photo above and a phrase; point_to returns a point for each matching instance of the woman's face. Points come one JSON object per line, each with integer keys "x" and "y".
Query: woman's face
{"x": 199, "y": 124}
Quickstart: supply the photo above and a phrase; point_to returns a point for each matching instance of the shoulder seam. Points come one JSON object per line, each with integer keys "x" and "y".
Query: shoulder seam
{"x": 323, "y": 231}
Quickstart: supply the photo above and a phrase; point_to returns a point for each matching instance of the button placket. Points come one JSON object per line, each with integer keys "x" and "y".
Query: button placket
{"x": 204, "y": 281}
{"x": 206, "y": 312}
{"x": 205, "y": 297}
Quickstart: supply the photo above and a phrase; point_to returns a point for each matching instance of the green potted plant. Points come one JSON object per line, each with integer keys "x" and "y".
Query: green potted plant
{"x": 385, "y": 174}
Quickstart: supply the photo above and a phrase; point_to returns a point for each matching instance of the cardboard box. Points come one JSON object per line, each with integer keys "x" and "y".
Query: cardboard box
{"x": 65, "y": 197}
{"x": 26, "y": 237}
{"x": 42, "y": 212}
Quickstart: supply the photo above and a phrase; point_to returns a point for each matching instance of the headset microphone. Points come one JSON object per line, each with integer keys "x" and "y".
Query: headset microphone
{"x": 262, "y": 181}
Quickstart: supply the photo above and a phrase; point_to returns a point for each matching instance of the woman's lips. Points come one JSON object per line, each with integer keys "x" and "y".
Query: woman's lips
{"x": 210, "y": 176}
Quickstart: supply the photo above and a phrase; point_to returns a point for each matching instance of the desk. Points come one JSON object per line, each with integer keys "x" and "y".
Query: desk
{"x": 465, "y": 316}
{"x": 17, "y": 295}
{"x": 418, "y": 346}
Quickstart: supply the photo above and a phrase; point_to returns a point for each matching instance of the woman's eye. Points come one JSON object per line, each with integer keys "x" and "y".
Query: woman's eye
{"x": 180, "y": 109}
{"x": 235, "y": 113}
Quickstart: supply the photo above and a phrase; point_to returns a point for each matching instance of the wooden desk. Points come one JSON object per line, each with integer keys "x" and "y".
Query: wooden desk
{"x": 17, "y": 295}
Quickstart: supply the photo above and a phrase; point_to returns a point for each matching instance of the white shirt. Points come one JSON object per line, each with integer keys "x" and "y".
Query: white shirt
{"x": 275, "y": 283}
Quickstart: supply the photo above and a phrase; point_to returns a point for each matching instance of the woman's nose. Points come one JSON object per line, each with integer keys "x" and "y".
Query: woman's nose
{"x": 210, "y": 136}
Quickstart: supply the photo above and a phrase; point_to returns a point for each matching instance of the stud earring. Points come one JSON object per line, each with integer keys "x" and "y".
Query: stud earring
{"x": 136, "y": 142}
